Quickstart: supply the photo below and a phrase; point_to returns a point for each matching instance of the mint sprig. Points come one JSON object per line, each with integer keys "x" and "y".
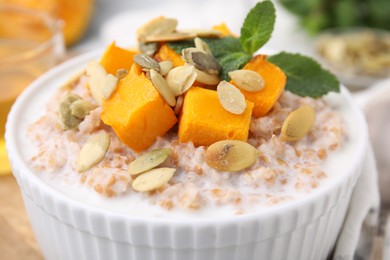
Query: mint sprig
{"x": 258, "y": 26}
{"x": 305, "y": 77}
{"x": 229, "y": 53}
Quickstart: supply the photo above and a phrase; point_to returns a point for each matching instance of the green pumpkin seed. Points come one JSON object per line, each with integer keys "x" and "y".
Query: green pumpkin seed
{"x": 146, "y": 62}
{"x": 80, "y": 108}
{"x": 157, "y": 26}
{"x": 205, "y": 78}
{"x": 231, "y": 98}
{"x": 202, "y": 61}
{"x": 68, "y": 120}
{"x": 202, "y": 46}
{"x": 96, "y": 74}
{"x": 203, "y": 33}
{"x": 162, "y": 87}
{"x": 93, "y": 151}
{"x": 149, "y": 161}
{"x": 169, "y": 37}
{"x": 179, "y": 105}
{"x": 231, "y": 155}
{"x": 248, "y": 80}
{"x": 165, "y": 67}
{"x": 149, "y": 48}
{"x": 181, "y": 78}
{"x": 298, "y": 123}
{"x": 110, "y": 84}
{"x": 153, "y": 179}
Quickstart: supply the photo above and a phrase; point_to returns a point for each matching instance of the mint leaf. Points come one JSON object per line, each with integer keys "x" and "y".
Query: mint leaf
{"x": 258, "y": 26}
{"x": 233, "y": 61}
{"x": 229, "y": 53}
{"x": 305, "y": 77}
{"x": 223, "y": 46}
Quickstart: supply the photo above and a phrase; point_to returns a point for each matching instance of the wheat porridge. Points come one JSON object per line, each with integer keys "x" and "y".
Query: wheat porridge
{"x": 130, "y": 104}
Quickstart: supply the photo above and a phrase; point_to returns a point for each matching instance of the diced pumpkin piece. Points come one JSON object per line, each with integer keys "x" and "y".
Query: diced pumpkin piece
{"x": 204, "y": 121}
{"x": 115, "y": 58}
{"x": 224, "y": 30}
{"x": 136, "y": 111}
{"x": 166, "y": 53}
{"x": 274, "y": 79}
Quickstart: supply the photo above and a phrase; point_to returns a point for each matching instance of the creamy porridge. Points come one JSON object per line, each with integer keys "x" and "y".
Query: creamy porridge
{"x": 183, "y": 100}
{"x": 283, "y": 172}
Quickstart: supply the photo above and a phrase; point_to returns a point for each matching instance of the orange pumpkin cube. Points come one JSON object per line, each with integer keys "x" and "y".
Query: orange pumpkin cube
{"x": 115, "y": 58}
{"x": 204, "y": 121}
{"x": 274, "y": 79}
{"x": 223, "y": 29}
{"x": 166, "y": 53}
{"x": 137, "y": 112}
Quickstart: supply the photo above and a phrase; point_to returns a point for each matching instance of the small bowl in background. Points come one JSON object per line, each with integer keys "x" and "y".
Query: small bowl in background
{"x": 359, "y": 57}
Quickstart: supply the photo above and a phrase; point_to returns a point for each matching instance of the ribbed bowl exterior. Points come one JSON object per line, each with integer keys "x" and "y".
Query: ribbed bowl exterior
{"x": 68, "y": 229}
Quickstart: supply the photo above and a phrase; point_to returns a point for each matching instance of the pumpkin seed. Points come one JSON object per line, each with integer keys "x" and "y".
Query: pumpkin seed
{"x": 248, "y": 80}
{"x": 206, "y": 78}
{"x": 149, "y": 48}
{"x": 81, "y": 107}
{"x": 157, "y": 26}
{"x": 231, "y": 155}
{"x": 202, "y": 61}
{"x": 96, "y": 74}
{"x": 93, "y": 151}
{"x": 203, "y": 33}
{"x": 153, "y": 179}
{"x": 298, "y": 123}
{"x": 68, "y": 120}
{"x": 202, "y": 45}
{"x": 162, "y": 87}
{"x": 231, "y": 98}
{"x": 179, "y": 105}
{"x": 165, "y": 67}
{"x": 110, "y": 84}
{"x": 149, "y": 161}
{"x": 121, "y": 73}
{"x": 169, "y": 37}
{"x": 146, "y": 62}
{"x": 181, "y": 78}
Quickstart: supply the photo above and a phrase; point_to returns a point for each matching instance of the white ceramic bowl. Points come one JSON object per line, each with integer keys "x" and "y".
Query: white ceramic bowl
{"x": 70, "y": 229}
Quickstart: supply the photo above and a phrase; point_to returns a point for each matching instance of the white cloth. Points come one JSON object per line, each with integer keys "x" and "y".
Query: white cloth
{"x": 365, "y": 198}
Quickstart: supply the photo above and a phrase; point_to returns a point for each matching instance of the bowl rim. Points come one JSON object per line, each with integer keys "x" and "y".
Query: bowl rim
{"x": 19, "y": 165}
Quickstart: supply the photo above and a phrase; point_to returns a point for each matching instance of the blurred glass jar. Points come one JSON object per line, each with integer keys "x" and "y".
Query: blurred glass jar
{"x": 76, "y": 14}
{"x": 31, "y": 42}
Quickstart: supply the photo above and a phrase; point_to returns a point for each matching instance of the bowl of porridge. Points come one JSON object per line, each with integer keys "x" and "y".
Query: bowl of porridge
{"x": 165, "y": 152}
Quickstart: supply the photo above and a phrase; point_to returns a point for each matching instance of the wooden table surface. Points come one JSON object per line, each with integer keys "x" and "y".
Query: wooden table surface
{"x": 17, "y": 241}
